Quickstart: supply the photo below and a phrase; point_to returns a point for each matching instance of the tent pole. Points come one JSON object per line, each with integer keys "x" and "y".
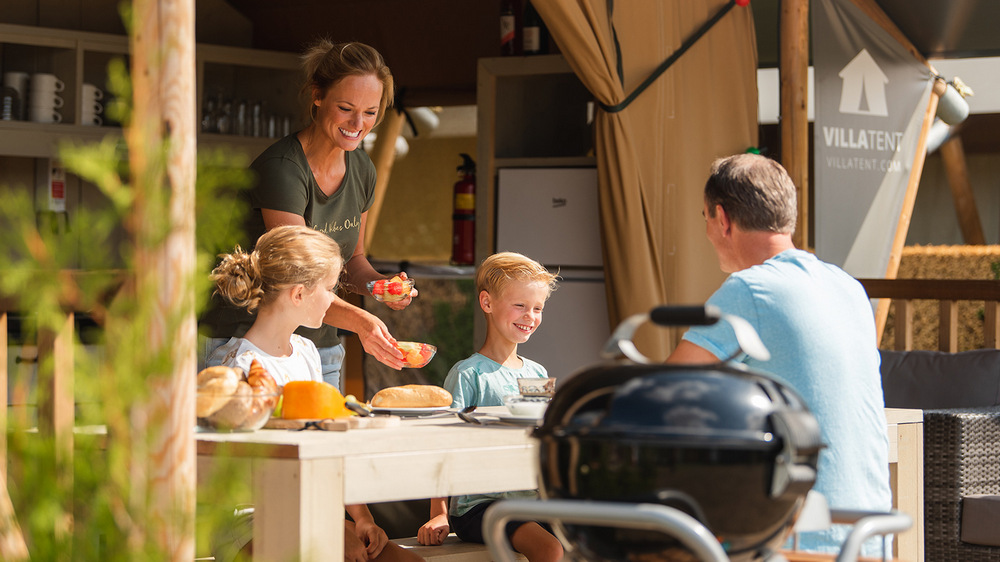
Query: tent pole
{"x": 906, "y": 212}
{"x": 953, "y": 158}
{"x": 794, "y": 78}
{"x": 383, "y": 155}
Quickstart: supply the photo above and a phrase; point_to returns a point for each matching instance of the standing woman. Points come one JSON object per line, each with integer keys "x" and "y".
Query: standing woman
{"x": 317, "y": 177}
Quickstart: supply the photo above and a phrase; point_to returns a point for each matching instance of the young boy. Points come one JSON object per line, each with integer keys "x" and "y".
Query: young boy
{"x": 512, "y": 292}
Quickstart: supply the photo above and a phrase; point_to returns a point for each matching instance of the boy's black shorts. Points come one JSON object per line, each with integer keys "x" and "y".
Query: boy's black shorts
{"x": 469, "y": 527}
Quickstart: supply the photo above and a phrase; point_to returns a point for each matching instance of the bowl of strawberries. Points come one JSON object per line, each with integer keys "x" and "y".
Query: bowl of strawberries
{"x": 393, "y": 289}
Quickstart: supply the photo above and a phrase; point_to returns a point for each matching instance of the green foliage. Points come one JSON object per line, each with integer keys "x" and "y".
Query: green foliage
{"x": 451, "y": 330}
{"x": 95, "y": 503}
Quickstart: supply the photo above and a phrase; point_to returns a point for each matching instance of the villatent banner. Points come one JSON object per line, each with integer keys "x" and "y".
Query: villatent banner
{"x": 871, "y": 97}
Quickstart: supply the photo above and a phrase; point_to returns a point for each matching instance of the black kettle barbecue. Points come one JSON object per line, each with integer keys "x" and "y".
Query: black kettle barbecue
{"x": 733, "y": 448}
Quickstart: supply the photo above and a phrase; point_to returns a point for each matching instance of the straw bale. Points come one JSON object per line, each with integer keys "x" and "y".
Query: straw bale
{"x": 945, "y": 262}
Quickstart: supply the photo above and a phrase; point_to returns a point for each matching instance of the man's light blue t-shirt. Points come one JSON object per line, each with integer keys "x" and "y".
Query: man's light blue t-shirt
{"x": 818, "y": 324}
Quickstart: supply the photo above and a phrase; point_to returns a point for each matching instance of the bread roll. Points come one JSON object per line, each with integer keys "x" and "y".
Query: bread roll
{"x": 412, "y": 396}
{"x": 215, "y": 386}
{"x": 236, "y": 410}
{"x": 264, "y": 387}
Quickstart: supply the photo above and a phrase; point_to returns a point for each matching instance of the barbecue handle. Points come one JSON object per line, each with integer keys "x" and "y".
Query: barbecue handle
{"x": 700, "y": 315}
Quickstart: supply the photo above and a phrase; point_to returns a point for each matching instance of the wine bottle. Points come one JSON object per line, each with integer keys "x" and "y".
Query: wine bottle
{"x": 534, "y": 33}
{"x": 507, "y": 28}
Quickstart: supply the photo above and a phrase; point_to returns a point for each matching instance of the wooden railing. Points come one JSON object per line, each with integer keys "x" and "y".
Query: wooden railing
{"x": 947, "y": 292}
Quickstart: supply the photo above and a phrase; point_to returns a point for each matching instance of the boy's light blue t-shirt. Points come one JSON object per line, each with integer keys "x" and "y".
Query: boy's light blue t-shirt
{"x": 481, "y": 381}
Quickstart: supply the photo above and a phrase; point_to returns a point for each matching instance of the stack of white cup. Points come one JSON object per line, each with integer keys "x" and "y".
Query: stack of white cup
{"x": 18, "y": 81}
{"x": 90, "y": 105}
{"x": 45, "y": 99}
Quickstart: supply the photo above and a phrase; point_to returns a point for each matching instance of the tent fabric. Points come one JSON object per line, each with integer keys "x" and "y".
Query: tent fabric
{"x": 653, "y": 157}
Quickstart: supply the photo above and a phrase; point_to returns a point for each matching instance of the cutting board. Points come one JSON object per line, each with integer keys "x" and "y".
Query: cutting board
{"x": 339, "y": 424}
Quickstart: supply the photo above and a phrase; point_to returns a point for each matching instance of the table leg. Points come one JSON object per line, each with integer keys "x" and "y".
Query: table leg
{"x": 908, "y": 491}
{"x": 299, "y": 509}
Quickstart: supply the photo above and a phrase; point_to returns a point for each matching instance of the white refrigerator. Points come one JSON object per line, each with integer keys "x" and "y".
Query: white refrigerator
{"x": 551, "y": 215}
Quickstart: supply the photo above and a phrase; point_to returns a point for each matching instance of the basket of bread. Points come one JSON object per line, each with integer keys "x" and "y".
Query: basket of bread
{"x": 230, "y": 400}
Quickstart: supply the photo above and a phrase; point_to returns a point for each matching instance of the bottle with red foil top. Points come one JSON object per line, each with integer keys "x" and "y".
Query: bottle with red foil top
{"x": 508, "y": 29}
{"x": 463, "y": 244}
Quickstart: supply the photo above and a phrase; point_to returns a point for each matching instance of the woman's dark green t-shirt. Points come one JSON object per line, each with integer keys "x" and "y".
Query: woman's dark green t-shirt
{"x": 285, "y": 182}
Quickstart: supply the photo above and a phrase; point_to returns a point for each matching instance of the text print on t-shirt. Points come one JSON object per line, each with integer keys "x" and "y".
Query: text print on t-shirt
{"x": 348, "y": 224}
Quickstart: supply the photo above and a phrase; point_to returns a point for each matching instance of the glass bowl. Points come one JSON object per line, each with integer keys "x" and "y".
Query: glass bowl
{"x": 416, "y": 354}
{"x": 240, "y": 411}
{"x": 390, "y": 290}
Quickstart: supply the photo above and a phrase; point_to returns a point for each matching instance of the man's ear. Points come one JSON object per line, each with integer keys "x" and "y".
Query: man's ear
{"x": 484, "y": 301}
{"x": 724, "y": 220}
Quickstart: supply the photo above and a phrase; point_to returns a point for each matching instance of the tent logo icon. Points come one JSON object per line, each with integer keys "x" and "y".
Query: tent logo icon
{"x": 863, "y": 90}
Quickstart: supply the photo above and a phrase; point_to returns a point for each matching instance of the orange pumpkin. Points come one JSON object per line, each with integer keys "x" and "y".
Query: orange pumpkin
{"x": 311, "y": 400}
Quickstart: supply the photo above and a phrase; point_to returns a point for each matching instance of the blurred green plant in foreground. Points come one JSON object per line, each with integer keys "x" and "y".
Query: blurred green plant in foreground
{"x": 93, "y": 504}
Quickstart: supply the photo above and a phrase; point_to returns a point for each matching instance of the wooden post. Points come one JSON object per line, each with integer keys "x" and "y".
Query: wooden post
{"x": 948, "y": 326}
{"x": 163, "y": 68}
{"x": 896, "y": 253}
{"x": 383, "y": 156}
{"x": 793, "y": 75}
{"x": 953, "y": 158}
{"x": 4, "y": 399}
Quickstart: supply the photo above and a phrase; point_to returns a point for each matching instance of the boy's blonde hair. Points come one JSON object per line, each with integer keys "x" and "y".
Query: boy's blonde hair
{"x": 498, "y": 271}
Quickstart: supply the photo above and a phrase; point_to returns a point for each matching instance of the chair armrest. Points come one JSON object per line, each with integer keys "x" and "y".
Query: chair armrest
{"x": 961, "y": 457}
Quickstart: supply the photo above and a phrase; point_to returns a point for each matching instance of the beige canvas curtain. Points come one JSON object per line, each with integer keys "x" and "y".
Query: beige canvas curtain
{"x": 654, "y": 156}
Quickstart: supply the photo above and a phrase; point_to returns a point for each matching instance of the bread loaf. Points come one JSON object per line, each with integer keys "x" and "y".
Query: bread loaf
{"x": 216, "y": 386}
{"x": 412, "y": 396}
{"x": 236, "y": 409}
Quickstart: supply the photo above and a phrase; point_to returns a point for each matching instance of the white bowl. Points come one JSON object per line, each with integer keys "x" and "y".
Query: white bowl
{"x": 526, "y": 406}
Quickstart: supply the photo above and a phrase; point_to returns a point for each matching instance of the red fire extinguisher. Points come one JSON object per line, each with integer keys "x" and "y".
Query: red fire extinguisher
{"x": 463, "y": 242}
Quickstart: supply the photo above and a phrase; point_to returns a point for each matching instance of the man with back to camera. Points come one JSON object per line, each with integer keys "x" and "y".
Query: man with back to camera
{"x": 815, "y": 319}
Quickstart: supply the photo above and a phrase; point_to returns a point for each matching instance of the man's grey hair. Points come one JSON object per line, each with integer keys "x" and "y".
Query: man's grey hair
{"x": 755, "y": 191}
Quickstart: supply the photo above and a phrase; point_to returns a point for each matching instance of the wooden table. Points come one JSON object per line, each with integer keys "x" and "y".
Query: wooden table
{"x": 301, "y": 480}
{"x": 906, "y": 477}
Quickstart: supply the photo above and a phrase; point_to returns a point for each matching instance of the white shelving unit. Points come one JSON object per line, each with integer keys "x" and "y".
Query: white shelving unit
{"x": 79, "y": 57}
{"x": 532, "y": 113}
{"x": 534, "y": 125}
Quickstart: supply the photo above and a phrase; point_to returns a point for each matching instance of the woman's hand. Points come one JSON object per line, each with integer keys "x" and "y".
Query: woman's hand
{"x": 433, "y": 532}
{"x": 372, "y": 536}
{"x": 380, "y": 344}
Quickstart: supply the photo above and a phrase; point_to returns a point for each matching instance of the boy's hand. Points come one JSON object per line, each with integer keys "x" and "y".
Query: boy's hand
{"x": 434, "y": 531}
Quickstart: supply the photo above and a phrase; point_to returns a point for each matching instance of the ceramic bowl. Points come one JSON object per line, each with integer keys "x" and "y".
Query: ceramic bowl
{"x": 526, "y": 406}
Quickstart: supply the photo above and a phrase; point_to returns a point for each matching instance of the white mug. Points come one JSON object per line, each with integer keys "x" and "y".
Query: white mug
{"x": 91, "y": 92}
{"x": 45, "y": 115}
{"x": 45, "y": 82}
{"x": 91, "y": 107}
{"x": 43, "y": 101}
{"x": 91, "y": 120}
